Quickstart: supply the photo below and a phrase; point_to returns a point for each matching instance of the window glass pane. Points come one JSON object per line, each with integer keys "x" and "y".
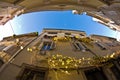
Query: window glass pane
{"x": 74, "y": 46}
{"x": 12, "y": 50}
{"x": 46, "y": 46}
{"x": 95, "y": 74}
{"x": 68, "y": 33}
{"x": 116, "y": 72}
{"x": 82, "y": 35}
{"x": 52, "y": 45}
{"x": 1, "y": 62}
{"x": 30, "y": 74}
{"x": 52, "y": 32}
{"x": 80, "y": 47}
{"x": 2, "y": 47}
{"x": 101, "y": 46}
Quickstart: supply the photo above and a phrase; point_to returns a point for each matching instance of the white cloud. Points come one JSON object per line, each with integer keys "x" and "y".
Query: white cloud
{"x": 118, "y": 36}
{"x": 5, "y": 30}
{"x": 19, "y": 26}
{"x": 95, "y": 19}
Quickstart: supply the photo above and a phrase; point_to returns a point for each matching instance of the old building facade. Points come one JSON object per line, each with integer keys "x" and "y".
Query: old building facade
{"x": 58, "y": 54}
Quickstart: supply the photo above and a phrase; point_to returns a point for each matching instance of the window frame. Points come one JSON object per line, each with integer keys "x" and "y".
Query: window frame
{"x": 79, "y": 46}
{"x": 101, "y": 46}
{"x": 93, "y": 72}
{"x": 43, "y": 51}
{"x": 1, "y": 62}
{"x": 51, "y": 43}
{"x": 32, "y": 68}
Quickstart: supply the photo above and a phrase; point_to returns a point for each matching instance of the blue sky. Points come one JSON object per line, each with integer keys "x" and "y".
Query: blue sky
{"x": 36, "y": 21}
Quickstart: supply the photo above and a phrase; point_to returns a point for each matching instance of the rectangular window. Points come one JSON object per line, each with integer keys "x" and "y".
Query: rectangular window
{"x": 82, "y": 35}
{"x": 49, "y": 36}
{"x": 79, "y": 46}
{"x": 110, "y": 44}
{"x": 115, "y": 71}
{"x": 33, "y": 73}
{"x": 95, "y": 74}
{"x": 75, "y": 46}
{"x": 2, "y": 47}
{"x": 1, "y": 62}
{"x": 67, "y": 33}
{"x": 7, "y": 48}
{"x": 12, "y": 49}
{"x": 52, "y": 32}
{"x": 48, "y": 46}
{"x": 118, "y": 61}
{"x": 101, "y": 46}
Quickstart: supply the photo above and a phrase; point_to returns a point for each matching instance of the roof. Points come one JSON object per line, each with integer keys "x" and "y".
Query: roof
{"x": 32, "y": 34}
{"x": 62, "y": 29}
{"x": 102, "y": 36}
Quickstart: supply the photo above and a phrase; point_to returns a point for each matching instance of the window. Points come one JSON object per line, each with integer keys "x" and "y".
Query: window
{"x": 67, "y": 33}
{"x": 113, "y": 44}
{"x": 82, "y": 35}
{"x": 110, "y": 44}
{"x": 48, "y": 46}
{"x": 95, "y": 74}
{"x": 115, "y": 71}
{"x": 118, "y": 61}
{"x": 79, "y": 46}
{"x": 52, "y": 32}
{"x": 1, "y": 62}
{"x": 45, "y": 36}
{"x": 33, "y": 73}
{"x": 2, "y": 47}
{"x": 49, "y": 37}
{"x": 101, "y": 46}
{"x": 7, "y": 48}
{"x": 11, "y": 49}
